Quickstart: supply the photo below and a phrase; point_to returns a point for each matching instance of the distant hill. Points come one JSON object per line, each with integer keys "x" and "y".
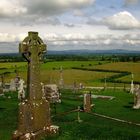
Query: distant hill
{"x": 78, "y": 52}
{"x": 81, "y": 52}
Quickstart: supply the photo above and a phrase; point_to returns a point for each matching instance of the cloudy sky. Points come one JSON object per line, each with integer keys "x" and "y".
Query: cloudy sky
{"x": 71, "y": 24}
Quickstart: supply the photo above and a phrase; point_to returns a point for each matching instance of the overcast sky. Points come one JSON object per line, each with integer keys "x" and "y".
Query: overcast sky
{"x": 71, "y": 24}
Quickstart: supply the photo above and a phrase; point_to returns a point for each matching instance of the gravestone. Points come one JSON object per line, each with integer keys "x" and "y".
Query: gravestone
{"x": 21, "y": 91}
{"x": 132, "y": 84}
{"x": 2, "y": 81}
{"x": 12, "y": 85}
{"x": 34, "y": 111}
{"x": 52, "y": 93}
{"x": 136, "y": 97}
{"x": 87, "y": 102}
{"x": 61, "y": 81}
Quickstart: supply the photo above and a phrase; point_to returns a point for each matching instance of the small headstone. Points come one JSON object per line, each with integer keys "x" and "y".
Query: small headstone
{"x": 136, "y": 97}
{"x": 78, "y": 115}
{"x": 52, "y": 93}
{"x": 12, "y": 85}
{"x": 81, "y": 86}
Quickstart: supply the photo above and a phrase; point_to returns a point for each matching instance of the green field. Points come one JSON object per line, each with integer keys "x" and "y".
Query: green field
{"x": 92, "y": 127}
{"x": 50, "y": 72}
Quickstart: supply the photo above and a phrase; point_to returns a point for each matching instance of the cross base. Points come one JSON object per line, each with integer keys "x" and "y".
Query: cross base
{"x": 46, "y": 131}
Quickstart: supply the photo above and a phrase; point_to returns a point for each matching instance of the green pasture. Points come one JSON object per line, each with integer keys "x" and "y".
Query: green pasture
{"x": 50, "y": 72}
{"x": 92, "y": 127}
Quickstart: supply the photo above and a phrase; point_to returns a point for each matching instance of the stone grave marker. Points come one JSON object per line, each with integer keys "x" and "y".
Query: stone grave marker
{"x": 87, "y": 102}
{"x": 34, "y": 111}
{"x": 136, "y": 97}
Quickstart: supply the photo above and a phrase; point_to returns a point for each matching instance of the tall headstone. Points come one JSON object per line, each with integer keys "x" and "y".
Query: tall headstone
{"x": 132, "y": 84}
{"x": 2, "y": 85}
{"x": 105, "y": 84}
{"x": 136, "y": 97}
{"x": 34, "y": 111}
{"x": 2, "y": 81}
{"x": 61, "y": 81}
{"x": 87, "y": 102}
{"x": 21, "y": 91}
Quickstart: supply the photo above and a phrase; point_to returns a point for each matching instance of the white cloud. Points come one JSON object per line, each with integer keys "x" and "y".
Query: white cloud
{"x": 5, "y": 37}
{"x": 11, "y": 8}
{"x": 75, "y": 41}
{"x": 123, "y": 21}
{"x": 40, "y": 7}
{"x": 27, "y": 12}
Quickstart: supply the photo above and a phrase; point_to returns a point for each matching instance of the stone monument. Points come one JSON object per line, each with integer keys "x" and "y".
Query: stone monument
{"x": 61, "y": 81}
{"x": 87, "y": 102}
{"x": 136, "y": 97}
{"x": 52, "y": 93}
{"x": 132, "y": 84}
{"x": 21, "y": 91}
{"x": 12, "y": 85}
{"x": 2, "y": 86}
{"x": 34, "y": 111}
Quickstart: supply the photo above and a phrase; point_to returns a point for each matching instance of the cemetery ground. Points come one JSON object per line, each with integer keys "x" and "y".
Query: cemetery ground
{"x": 91, "y": 127}
{"x": 89, "y": 73}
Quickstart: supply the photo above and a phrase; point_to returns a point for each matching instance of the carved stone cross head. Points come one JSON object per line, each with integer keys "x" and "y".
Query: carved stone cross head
{"x": 32, "y": 44}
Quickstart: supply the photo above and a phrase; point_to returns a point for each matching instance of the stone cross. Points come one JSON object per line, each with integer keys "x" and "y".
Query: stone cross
{"x": 32, "y": 49}
{"x": 34, "y": 111}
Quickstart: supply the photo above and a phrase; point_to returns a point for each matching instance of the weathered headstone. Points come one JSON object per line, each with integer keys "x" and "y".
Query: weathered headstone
{"x": 78, "y": 115}
{"x": 2, "y": 81}
{"x": 81, "y": 86}
{"x": 34, "y": 111}
{"x": 136, "y": 97}
{"x": 105, "y": 84}
{"x": 21, "y": 91}
{"x": 132, "y": 84}
{"x": 87, "y": 102}
{"x": 12, "y": 85}
{"x": 52, "y": 93}
{"x": 61, "y": 81}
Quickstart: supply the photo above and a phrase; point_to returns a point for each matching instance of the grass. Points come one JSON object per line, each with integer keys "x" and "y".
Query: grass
{"x": 96, "y": 128}
{"x": 69, "y": 64}
{"x": 123, "y": 66}
{"x": 50, "y": 72}
{"x": 92, "y": 127}
{"x": 8, "y": 115}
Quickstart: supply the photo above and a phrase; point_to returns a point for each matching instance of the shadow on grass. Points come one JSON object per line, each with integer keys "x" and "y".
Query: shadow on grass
{"x": 127, "y": 106}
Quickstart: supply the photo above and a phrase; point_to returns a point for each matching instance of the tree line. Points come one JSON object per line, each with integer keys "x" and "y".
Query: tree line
{"x": 90, "y": 57}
